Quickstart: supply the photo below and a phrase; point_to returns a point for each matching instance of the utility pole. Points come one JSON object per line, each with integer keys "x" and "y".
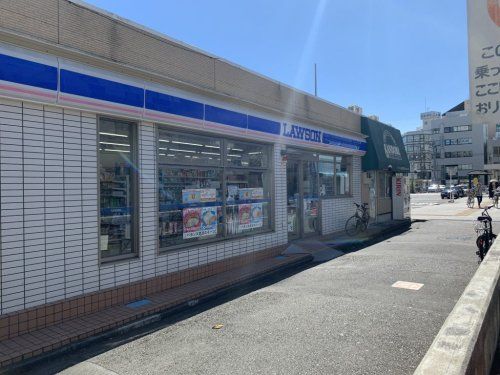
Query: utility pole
{"x": 315, "y": 81}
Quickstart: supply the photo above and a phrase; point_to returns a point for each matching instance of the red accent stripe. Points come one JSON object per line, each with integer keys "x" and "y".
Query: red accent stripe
{"x": 173, "y": 118}
{"x": 28, "y": 91}
{"x": 101, "y": 105}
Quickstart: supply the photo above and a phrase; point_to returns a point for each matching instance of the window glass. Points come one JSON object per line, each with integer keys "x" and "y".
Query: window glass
{"x": 242, "y": 154}
{"x": 176, "y": 148}
{"x": 190, "y": 201}
{"x": 248, "y": 201}
{"x": 206, "y": 199}
{"x": 117, "y": 166}
{"x": 326, "y": 178}
{"x": 342, "y": 175}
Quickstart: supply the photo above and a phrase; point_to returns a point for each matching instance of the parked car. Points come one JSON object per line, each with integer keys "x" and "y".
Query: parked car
{"x": 442, "y": 187}
{"x": 460, "y": 190}
{"x": 434, "y": 188}
{"x": 447, "y": 193}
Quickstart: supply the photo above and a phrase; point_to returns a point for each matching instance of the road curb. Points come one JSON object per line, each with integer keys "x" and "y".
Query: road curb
{"x": 155, "y": 317}
{"x": 467, "y": 341}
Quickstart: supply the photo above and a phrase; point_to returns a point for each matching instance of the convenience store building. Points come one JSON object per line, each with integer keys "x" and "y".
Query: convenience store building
{"x": 126, "y": 156}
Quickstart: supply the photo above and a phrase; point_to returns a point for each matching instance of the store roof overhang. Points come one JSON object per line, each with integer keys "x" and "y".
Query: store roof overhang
{"x": 385, "y": 149}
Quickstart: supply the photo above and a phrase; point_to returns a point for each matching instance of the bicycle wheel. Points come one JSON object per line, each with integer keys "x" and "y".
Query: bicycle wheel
{"x": 352, "y": 226}
{"x": 482, "y": 245}
{"x": 470, "y": 202}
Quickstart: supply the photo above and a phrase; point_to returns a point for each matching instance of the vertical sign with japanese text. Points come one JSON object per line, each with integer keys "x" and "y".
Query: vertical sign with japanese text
{"x": 484, "y": 60}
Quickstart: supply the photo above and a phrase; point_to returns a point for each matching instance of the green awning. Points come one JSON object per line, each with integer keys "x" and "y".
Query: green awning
{"x": 385, "y": 149}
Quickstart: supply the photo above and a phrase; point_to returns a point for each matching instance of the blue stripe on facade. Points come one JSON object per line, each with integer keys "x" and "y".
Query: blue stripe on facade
{"x": 16, "y": 70}
{"x": 171, "y": 104}
{"x": 263, "y": 125}
{"x": 102, "y": 89}
{"x": 27, "y": 72}
{"x": 335, "y": 140}
{"x": 226, "y": 117}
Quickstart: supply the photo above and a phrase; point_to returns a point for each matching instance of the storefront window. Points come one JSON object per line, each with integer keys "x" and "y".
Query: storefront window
{"x": 118, "y": 193}
{"x": 342, "y": 175}
{"x": 243, "y": 154}
{"x": 247, "y": 201}
{"x": 326, "y": 175}
{"x": 385, "y": 180}
{"x": 334, "y": 175}
{"x": 192, "y": 205}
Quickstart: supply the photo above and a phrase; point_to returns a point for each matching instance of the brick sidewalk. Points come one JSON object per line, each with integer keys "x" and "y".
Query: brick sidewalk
{"x": 51, "y": 338}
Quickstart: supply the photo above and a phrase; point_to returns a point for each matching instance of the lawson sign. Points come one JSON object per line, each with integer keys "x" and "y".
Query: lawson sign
{"x": 305, "y": 135}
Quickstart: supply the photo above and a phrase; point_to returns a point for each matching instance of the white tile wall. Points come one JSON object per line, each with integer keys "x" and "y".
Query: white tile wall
{"x": 49, "y": 210}
{"x": 335, "y": 212}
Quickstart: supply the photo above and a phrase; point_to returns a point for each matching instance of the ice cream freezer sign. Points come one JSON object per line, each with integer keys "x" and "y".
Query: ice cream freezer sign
{"x": 250, "y": 216}
{"x": 199, "y": 222}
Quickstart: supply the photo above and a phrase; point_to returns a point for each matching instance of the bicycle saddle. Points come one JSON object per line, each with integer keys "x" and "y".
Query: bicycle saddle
{"x": 484, "y": 218}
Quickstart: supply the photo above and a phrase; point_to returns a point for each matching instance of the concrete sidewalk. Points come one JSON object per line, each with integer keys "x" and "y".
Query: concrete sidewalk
{"x": 340, "y": 317}
{"x": 337, "y": 244}
{"x": 59, "y": 338}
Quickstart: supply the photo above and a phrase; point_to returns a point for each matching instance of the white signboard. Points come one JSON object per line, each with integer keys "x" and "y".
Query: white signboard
{"x": 484, "y": 60}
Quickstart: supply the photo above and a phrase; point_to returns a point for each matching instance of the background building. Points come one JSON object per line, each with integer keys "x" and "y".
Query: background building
{"x": 419, "y": 147}
{"x": 459, "y": 146}
{"x": 447, "y": 147}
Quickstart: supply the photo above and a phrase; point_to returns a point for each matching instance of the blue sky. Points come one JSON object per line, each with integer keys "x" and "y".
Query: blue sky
{"x": 391, "y": 57}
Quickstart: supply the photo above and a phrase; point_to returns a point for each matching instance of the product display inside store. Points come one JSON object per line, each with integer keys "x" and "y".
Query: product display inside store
{"x": 117, "y": 186}
{"x": 210, "y": 187}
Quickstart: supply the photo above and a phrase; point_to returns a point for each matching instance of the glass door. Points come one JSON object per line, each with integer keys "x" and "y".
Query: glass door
{"x": 293, "y": 198}
{"x": 303, "y": 204}
{"x": 310, "y": 198}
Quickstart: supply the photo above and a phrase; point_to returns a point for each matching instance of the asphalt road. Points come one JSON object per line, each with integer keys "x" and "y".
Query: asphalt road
{"x": 339, "y": 317}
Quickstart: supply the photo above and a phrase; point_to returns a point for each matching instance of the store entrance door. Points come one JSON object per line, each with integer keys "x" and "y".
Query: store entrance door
{"x": 302, "y": 198}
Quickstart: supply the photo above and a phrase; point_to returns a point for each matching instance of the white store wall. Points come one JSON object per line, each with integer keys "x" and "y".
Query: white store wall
{"x": 335, "y": 212}
{"x": 49, "y": 210}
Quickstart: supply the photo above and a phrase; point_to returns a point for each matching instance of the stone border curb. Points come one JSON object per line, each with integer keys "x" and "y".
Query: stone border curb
{"x": 467, "y": 341}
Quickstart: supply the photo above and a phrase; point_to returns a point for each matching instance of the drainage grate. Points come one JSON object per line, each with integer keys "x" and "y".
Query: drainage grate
{"x": 137, "y": 304}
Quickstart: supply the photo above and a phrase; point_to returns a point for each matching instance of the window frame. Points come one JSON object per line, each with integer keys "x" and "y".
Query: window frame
{"x": 135, "y": 182}
{"x": 270, "y": 169}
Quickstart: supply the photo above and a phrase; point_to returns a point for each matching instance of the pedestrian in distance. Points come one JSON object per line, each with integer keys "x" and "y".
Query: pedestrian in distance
{"x": 491, "y": 190}
{"x": 479, "y": 194}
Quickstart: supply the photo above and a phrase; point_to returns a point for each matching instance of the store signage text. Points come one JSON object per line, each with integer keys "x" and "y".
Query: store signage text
{"x": 299, "y": 132}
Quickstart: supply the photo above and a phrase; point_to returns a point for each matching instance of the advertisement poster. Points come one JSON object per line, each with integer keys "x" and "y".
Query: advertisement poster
{"x": 232, "y": 192}
{"x": 483, "y": 18}
{"x": 250, "y": 216}
{"x": 198, "y": 195}
{"x": 199, "y": 222}
{"x": 251, "y": 193}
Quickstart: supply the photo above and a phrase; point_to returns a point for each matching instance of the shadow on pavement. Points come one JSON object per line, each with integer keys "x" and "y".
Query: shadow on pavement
{"x": 59, "y": 362}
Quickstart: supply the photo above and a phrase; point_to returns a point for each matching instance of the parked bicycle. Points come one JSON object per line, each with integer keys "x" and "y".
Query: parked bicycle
{"x": 496, "y": 195}
{"x": 484, "y": 231}
{"x": 359, "y": 221}
{"x": 471, "y": 196}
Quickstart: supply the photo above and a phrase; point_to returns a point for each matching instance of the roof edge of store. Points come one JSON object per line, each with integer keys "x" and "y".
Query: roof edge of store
{"x": 341, "y": 119}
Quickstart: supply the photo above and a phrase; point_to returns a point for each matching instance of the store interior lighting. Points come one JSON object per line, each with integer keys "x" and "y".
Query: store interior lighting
{"x": 115, "y": 144}
{"x": 178, "y": 150}
{"x": 186, "y": 143}
{"x": 234, "y": 156}
{"x": 114, "y": 135}
{"x": 209, "y": 153}
{"x": 113, "y": 150}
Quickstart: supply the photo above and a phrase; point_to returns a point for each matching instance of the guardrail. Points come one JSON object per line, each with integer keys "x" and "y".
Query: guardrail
{"x": 467, "y": 341}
